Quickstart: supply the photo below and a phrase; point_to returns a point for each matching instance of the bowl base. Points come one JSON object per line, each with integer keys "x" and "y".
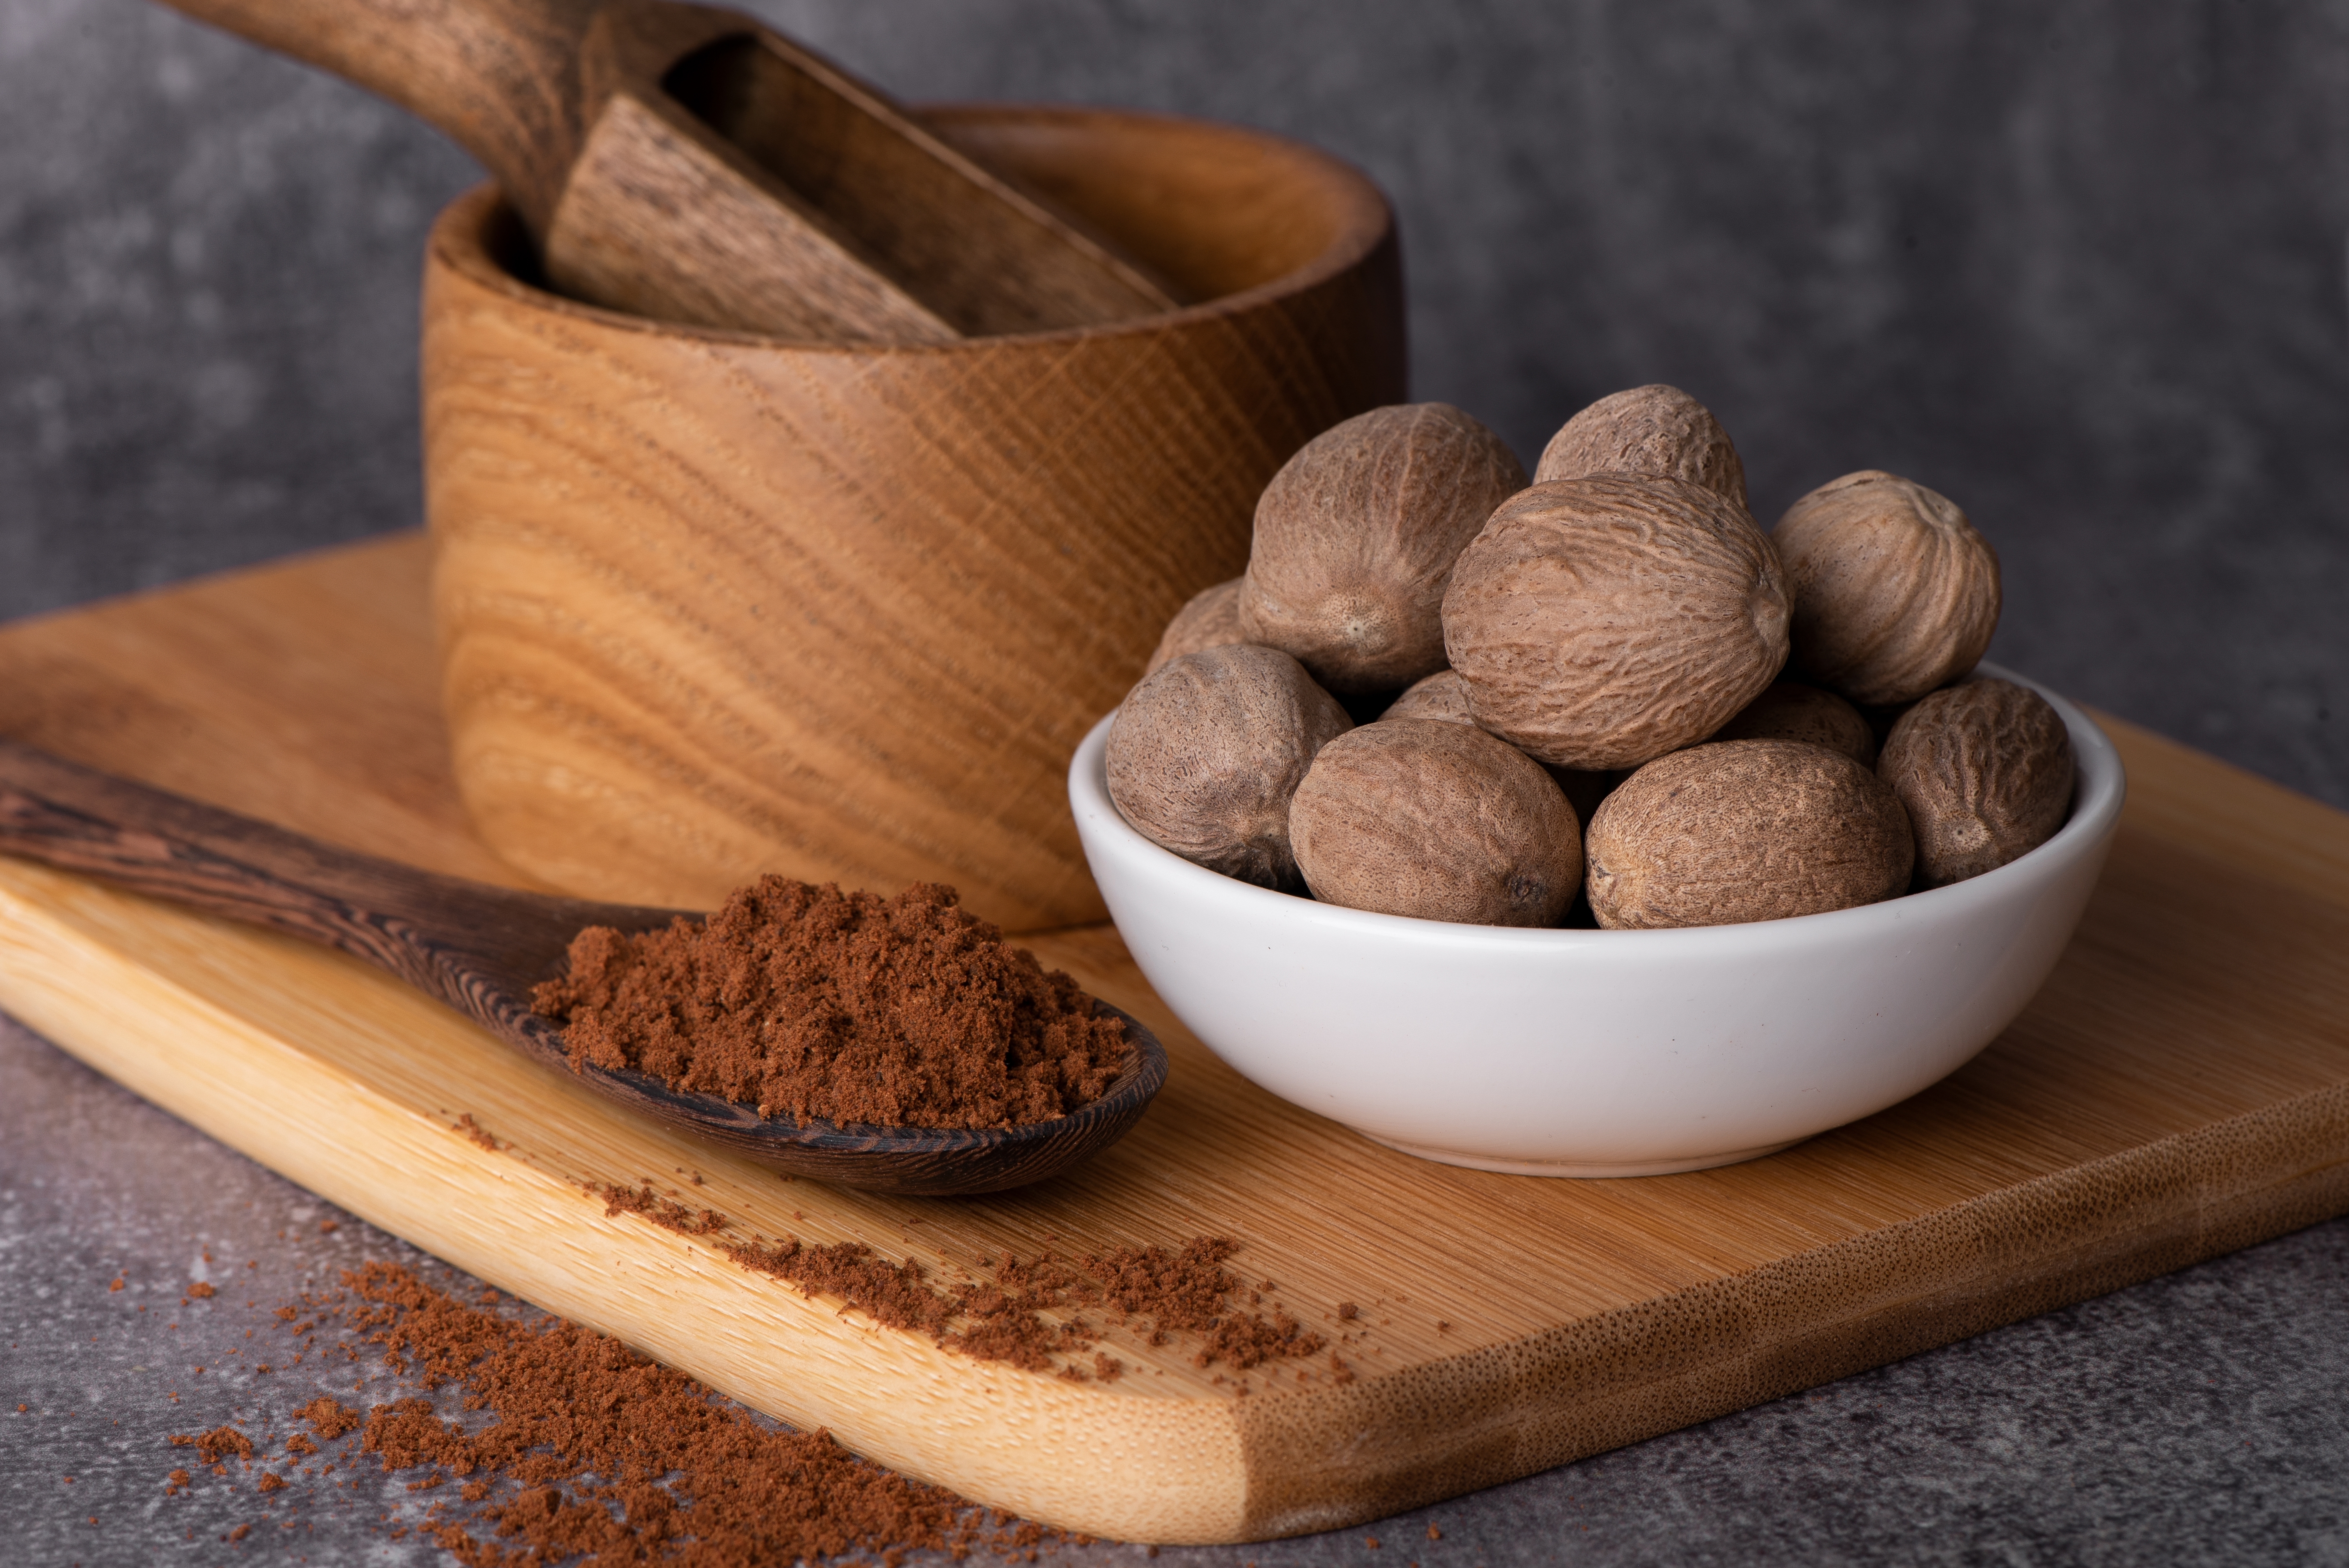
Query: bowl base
{"x": 1577, "y": 1166}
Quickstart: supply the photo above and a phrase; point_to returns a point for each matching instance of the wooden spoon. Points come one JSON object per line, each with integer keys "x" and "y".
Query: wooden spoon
{"x": 691, "y": 165}
{"x": 480, "y": 949}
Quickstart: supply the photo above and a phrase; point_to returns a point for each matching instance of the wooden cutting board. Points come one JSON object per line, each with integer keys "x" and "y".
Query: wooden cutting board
{"x": 2181, "y": 1088}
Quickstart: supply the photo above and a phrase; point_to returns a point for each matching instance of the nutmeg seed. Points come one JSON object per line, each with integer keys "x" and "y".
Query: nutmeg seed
{"x": 1985, "y": 772}
{"x": 1790, "y": 711}
{"x": 1894, "y": 591}
{"x": 1736, "y": 831}
{"x": 1439, "y": 821}
{"x": 1443, "y": 696}
{"x": 1656, "y": 430}
{"x": 1604, "y": 621}
{"x": 1209, "y": 618}
{"x": 1205, "y": 755}
{"x": 1355, "y": 538}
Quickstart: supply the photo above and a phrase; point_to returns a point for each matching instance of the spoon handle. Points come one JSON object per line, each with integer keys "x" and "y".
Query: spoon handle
{"x": 476, "y": 947}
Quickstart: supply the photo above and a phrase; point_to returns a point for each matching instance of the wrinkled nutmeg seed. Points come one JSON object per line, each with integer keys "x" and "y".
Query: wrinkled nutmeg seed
{"x": 1985, "y": 770}
{"x": 1893, "y": 592}
{"x": 1744, "y": 830}
{"x": 1601, "y": 622}
{"x": 1439, "y": 821}
{"x": 1355, "y": 538}
{"x": 1209, "y": 618}
{"x": 1790, "y": 711}
{"x": 1443, "y": 696}
{"x": 1204, "y": 756}
{"x": 1655, "y": 430}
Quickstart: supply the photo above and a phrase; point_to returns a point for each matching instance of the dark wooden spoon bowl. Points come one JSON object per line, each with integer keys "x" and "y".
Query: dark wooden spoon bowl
{"x": 482, "y": 949}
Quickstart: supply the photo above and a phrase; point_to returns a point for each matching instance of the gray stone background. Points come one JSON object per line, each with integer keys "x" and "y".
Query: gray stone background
{"x": 2080, "y": 266}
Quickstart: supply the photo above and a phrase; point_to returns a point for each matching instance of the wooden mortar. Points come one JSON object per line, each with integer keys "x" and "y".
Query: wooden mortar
{"x": 711, "y": 604}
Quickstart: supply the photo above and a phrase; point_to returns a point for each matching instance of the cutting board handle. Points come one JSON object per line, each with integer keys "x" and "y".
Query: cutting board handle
{"x": 499, "y": 76}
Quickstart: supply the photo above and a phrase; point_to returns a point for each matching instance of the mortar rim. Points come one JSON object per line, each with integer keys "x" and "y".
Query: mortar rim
{"x": 460, "y": 241}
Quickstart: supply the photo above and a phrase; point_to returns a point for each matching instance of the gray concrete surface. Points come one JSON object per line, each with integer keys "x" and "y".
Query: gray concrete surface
{"x": 2079, "y": 266}
{"x": 2198, "y": 1418}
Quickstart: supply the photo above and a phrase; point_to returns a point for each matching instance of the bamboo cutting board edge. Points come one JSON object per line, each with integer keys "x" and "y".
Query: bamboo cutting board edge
{"x": 2041, "y": 1175}
{"x": 161, "y": 1000}
{"x": 85, "y": 966}
{"x": 1809, "y": 1319}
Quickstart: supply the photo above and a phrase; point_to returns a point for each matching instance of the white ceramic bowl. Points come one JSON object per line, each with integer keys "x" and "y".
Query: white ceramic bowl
{"x": 1580, "y": 1052}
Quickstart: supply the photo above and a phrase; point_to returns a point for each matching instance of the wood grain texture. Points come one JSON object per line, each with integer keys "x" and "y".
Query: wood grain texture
{"x": 688, "y": 164}
{"x": 2180, "y": 1088}
{"x": 985, "y": 254}
{"x": 500, "y": 78}
{"x": 712, "y": 605}
{"x": 762, "y": 259}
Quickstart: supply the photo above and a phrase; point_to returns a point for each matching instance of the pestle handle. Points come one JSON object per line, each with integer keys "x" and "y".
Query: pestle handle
{"x": 499, "y": 77}
{"x": 785, "y": 198}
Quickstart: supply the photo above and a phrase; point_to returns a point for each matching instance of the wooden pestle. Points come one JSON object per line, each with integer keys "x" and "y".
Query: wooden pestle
{"x": 690, "y": 164}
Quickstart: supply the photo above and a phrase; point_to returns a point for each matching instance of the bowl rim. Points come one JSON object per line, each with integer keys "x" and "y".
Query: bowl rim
{"x": 2100, "y": 787}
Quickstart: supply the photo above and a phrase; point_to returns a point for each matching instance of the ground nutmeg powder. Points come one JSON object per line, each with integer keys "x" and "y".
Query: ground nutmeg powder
{"x": 1028, "y": 1313}
{"x": 538, "y": 1441}
{"x": 816, "y": 1004}
{"x": 563, "y": 1445}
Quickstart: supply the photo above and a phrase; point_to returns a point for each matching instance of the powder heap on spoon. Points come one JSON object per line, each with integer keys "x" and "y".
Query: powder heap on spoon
{"x": 815, "y": 1004}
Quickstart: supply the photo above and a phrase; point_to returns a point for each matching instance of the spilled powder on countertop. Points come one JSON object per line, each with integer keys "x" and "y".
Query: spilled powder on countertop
{"x": 569, "y": 1445}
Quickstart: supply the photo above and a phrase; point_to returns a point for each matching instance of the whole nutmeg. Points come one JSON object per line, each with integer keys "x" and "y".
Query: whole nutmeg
{"x": 1438, "y": 821}
{"x": 1209, "y": 618}
{"x": 1443, "y": 696}
{"x": 1355, "y": 538}
{"x": 1204, "y": 756}
{"x": 1790, "y": 711}
{"x": 1655, "y": 430}
{"x": 1735, "y": 831}
{"x": 1603, "y": 621}
{"x": 1985, "y": 770}
{"x": 1893, "y": 592}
